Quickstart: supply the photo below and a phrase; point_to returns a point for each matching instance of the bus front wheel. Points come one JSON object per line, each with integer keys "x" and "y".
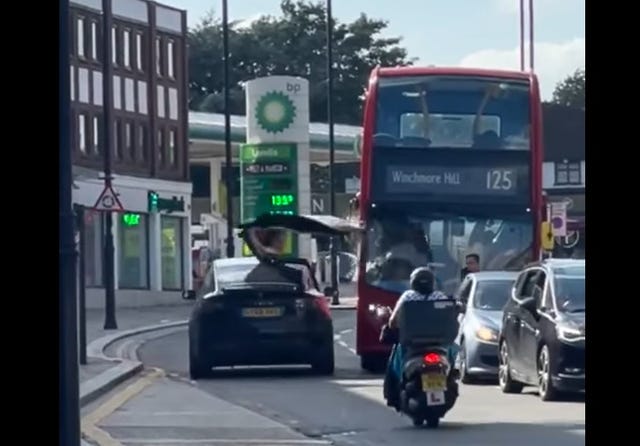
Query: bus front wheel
{"x": 373, "y": 363}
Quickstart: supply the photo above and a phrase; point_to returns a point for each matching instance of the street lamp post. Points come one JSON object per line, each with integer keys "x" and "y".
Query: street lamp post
{"x": 68, "y": 382}
{"x": 332, "y": 190}
{"x": 227, "y": 130}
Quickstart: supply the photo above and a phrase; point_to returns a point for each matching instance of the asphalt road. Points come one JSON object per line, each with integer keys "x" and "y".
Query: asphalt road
{"x": 348, "y": 408}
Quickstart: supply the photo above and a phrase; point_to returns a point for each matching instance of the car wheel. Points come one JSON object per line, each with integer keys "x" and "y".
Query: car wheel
{"x": 198, "y": 369}
{"x": 324, "y": 363}
{"x": 465, "y": 377}
{"x": 546, "y": 389}
{"x": 506, "y": 382}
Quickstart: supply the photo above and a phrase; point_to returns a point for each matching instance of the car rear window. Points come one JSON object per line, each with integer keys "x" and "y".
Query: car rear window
{"x": 235, "y": 274}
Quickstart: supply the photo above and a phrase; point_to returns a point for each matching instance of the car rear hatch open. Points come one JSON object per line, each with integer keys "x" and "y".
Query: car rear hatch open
{"x": 327, "y": 225}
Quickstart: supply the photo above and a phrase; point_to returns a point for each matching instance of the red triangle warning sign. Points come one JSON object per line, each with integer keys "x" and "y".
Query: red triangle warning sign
{"x": 108, "y": 201}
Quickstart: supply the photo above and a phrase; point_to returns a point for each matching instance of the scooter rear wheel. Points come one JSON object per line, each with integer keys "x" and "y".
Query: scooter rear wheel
{"x": 433, "y": 422}
{"x": 417, "y": 421}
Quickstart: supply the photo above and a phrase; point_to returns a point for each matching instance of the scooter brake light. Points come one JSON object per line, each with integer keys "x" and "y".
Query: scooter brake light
{"x": 431, "y": 358}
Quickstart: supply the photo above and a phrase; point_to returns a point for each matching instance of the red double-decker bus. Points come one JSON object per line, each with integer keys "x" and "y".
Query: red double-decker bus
{"x": 451, "y": 166}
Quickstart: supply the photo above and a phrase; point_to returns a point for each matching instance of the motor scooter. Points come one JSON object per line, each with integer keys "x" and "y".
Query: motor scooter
{"x": 428, "y": 387}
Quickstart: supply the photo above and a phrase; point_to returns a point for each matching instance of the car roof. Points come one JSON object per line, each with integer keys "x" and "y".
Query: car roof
{"x": 494, "y": 275}
{"x": 557, "y": 263}
{"x": 235, "y": 261}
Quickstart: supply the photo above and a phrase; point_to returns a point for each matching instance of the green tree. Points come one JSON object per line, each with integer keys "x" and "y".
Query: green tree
{"x": 571, "y": 91}
{"x": 292, "y": 44}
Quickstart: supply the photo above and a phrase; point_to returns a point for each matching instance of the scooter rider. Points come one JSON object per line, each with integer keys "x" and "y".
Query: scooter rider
{"x": 422, "y": 283}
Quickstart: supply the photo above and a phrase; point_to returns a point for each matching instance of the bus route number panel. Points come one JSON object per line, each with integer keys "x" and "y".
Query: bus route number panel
{"x": 269, "y": 182}
{"x": 503, "y": 181}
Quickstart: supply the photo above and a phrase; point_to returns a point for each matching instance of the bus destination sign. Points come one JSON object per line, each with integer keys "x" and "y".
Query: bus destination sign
{"x": 454, "y": 180}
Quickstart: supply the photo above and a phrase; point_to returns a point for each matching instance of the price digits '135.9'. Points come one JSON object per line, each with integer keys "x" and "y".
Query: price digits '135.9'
{"x": 282, "y": 200}
{"x": 499, "y": 180}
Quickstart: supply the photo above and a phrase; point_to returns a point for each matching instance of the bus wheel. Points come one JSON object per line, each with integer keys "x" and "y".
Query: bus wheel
{"x": 373, "y": 363}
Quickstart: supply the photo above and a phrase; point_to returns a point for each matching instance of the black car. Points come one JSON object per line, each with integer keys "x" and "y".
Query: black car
{"x": 260, "y": 311}
{"x": 542, "y": 341}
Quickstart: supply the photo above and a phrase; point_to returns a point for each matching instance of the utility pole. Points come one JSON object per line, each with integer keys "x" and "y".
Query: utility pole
{"x": 335, "y": 300}
{"x": 68, "y": 382}
{"x": 531, "y": 36}
{"x": 107, "y": 109}
{"x": 227, "y": 130}
{"x": 521, "y": 35}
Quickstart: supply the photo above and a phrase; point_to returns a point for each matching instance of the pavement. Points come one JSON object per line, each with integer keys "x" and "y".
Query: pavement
{"x": 102, "y": 373}
{"x": 278, "y": 406}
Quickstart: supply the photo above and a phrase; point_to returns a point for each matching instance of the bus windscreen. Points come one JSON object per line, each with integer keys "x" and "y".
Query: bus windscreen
{"x": 452, "y": 112}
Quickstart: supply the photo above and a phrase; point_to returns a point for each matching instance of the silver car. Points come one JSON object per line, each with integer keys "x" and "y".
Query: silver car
{"x": 484, "y": 295}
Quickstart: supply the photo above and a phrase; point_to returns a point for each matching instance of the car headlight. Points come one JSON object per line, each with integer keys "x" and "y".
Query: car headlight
{"x": 568, "y": 333}
{"x": 487, "y": 334}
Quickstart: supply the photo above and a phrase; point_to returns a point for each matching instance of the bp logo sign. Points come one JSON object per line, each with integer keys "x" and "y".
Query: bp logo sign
{"x": 275, "y": 112}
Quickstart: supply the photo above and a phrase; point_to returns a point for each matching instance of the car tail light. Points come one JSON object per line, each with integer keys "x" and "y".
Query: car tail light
{"x": 431, "y": 358}
{"x": 322, "y": 304}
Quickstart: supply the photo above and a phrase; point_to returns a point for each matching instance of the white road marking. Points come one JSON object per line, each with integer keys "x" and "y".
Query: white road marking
{"x": 345, "y": 345}
{"x": 337, "y": 338}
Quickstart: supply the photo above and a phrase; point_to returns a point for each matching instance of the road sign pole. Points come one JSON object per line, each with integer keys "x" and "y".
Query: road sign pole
{"x": 107, "y": 89}
{"x": 68, "y": 381}
{"x": 82, "y": 295}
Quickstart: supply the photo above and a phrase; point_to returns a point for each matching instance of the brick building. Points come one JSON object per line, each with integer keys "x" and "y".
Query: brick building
{"x": 149, "y": 145}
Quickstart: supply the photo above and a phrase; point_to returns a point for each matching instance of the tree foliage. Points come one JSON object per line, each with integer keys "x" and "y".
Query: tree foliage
{"x": 292, "y": 44}
{"x": 571, "y": 91}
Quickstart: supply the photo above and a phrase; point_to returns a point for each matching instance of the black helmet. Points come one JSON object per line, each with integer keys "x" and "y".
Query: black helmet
{"x": 422, "y": 280}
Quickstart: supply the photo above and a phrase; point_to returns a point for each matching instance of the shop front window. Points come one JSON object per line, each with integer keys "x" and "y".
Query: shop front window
{"x": 133, "y": 249}
{"x": 93, "y": 239}
{"x": 171, "y": 248}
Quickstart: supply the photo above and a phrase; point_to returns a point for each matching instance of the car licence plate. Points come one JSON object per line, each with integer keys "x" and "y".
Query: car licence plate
{"x": 262, "y": 312}
{"x": 434, "y": 382}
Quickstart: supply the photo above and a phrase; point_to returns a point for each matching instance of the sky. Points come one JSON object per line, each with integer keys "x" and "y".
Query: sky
{"x": 471, "y": 33}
